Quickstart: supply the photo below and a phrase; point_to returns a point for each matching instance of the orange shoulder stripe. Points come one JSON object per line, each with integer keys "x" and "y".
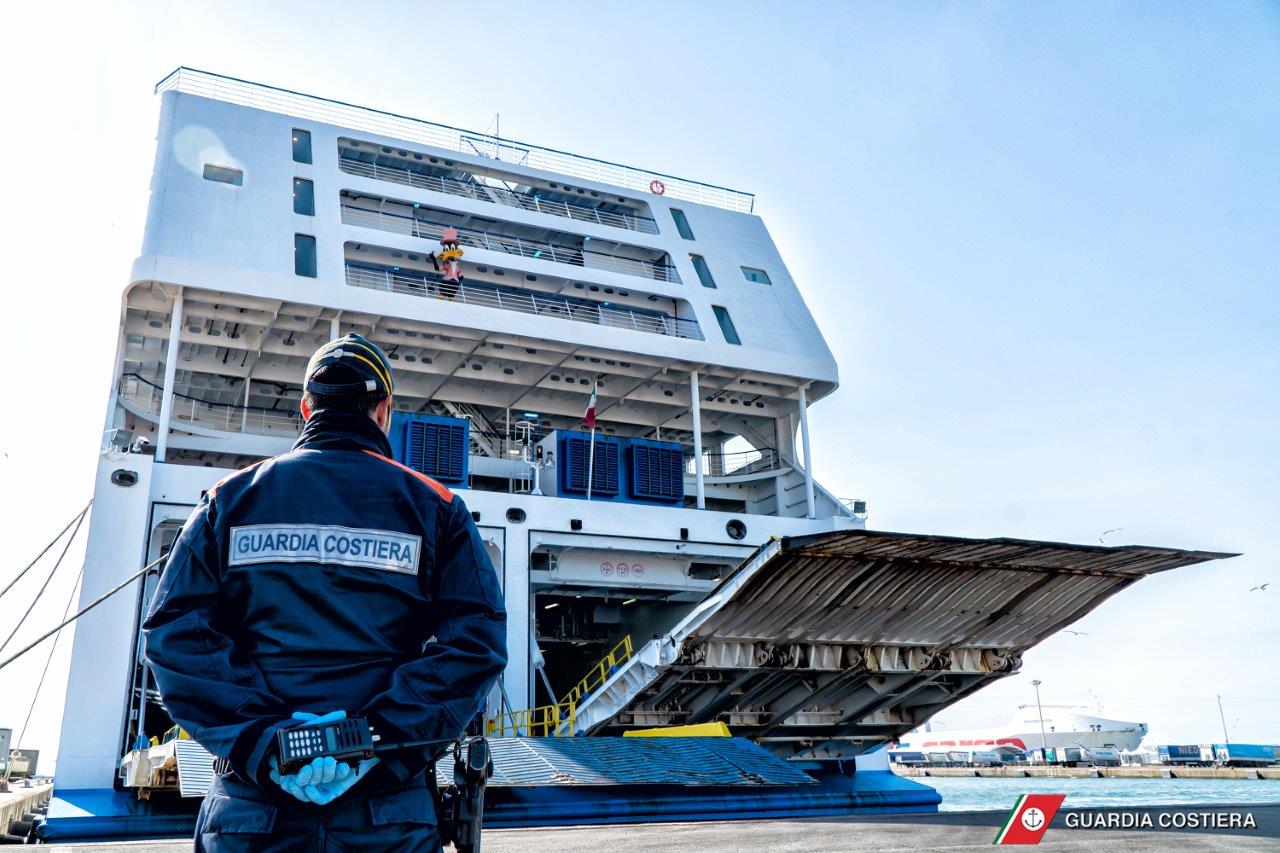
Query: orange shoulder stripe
{"x": 443, "y": 493}
{"x": 245, "y": 470}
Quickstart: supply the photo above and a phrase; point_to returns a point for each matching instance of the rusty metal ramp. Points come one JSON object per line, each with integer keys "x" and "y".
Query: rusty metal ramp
{"x": 832, "y": 644}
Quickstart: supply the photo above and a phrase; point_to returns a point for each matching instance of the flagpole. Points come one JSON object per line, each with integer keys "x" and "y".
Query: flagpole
{"x": 591, "y": 462}
{"x": 589, "y": 416}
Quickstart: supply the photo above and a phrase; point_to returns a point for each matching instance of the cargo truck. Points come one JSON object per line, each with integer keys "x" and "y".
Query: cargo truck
{"x": 1244, "y": 754}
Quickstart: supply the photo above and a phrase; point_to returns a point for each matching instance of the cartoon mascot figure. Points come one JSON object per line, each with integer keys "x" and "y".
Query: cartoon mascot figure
{"x": 448, "y": 262}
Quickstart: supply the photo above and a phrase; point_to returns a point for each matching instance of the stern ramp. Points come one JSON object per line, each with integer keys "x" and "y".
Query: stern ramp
{"x": 831, "y": 645}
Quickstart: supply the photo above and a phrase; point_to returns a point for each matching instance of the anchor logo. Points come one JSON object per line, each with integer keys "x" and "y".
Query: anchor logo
{"x": 1031, "y": 817}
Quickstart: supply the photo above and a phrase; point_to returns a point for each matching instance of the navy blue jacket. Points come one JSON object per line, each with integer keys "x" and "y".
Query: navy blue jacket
{"x": 328, "y": 578}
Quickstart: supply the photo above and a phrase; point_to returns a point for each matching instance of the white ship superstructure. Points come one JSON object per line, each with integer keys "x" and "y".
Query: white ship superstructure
{"x": 681, "y": 565}
{"x": 271, "y": 230}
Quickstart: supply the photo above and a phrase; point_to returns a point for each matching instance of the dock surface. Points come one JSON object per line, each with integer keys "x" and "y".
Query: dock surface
{"x": 950, "y": 831}
{"x": 20, "y": 799}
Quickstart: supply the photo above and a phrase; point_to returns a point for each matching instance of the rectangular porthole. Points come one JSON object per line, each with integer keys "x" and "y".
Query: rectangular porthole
{"x": 703, "y": 271}
{"x": 758, "y": 276}
{"x": 682, "y": 224}
{"x": 304, "y": 255}
{"x": 301, "y": 146}
{"x": 304, "y": 197}
{"x": 223, "y": 175}
{"x": 726, "y": 325}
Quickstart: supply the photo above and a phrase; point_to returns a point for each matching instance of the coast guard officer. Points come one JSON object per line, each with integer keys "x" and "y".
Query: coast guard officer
{"x": 329, "y": 580}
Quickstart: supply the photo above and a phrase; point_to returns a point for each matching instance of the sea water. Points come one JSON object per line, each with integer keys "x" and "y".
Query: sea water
{"x": 998, "y": 794}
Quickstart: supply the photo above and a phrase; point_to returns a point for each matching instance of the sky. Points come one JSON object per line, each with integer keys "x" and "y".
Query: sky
{"x": 1042, "y": 240}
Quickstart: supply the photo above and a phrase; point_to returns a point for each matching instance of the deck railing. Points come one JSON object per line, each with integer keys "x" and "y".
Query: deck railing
{"x": 735, "y": 464}
{"x": 287, "y": 102}
{"x": 496, "y": 195}
{"x": 526, "y": 302}
{"x": 147, "y": 396}
{"x": 397, "y": 223}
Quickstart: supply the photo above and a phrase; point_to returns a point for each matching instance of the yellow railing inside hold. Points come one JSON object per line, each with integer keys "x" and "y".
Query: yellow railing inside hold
{"x": 542, "y": 721}
{"x": 545, "y": 720}
{"x": 600, "y": 673}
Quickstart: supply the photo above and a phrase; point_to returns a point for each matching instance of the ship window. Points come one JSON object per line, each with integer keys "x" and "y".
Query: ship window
{"x": 223, "y": 175}
{"x": 753, "y": 274}
{"x": 704, "y": 272}
{"x": 304, "y": 197}
{"x": 301, "y": 146}
{"x": 682, "y": 224}
{"x": 726, "y": 325}
{"x": 304, "y": 255}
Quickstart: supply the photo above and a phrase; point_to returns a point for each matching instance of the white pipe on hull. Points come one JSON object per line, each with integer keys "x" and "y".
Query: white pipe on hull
{"x": 696, "y": 411}
{"x": 170, "y": 373}
{"x": 803, "y": 405}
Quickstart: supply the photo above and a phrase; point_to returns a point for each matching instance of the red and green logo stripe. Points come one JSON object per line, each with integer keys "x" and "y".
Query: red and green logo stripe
{"x": 1030, "y": 818}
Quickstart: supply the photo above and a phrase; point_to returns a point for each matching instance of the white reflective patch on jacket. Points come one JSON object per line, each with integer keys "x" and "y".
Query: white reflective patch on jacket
{"x": 327, "y": 544}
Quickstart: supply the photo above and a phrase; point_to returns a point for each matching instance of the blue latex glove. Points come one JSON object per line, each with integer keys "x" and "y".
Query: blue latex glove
{"x": 324, "y": 779}
{"x": 325, "y": 792}
{"x": 314, "y": 774}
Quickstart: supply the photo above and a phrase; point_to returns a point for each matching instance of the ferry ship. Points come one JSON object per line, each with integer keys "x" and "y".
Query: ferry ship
{"x": 1036, "y": 727}
{"x": 679, "y": 565}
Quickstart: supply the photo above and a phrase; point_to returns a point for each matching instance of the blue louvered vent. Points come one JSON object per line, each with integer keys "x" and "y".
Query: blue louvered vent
{"x": 437, "y": 448}
{"x": 575, "y": 450}
{"x": 657, "y": 471}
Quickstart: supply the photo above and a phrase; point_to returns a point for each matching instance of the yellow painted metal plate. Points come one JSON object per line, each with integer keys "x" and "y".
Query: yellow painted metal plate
{"x": 696, "y": 730}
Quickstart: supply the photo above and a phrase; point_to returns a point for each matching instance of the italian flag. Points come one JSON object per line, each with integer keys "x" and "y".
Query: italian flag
{"x": 589, "y": 417}
{"x": 1029, "y": 819}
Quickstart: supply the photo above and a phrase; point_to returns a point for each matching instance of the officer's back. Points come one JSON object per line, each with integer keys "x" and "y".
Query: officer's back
{"x": 327, "y": 579}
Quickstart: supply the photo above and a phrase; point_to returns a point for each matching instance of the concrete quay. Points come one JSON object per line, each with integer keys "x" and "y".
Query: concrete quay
{"x": 949, "y": 831}
{"x": 20, "y": 800}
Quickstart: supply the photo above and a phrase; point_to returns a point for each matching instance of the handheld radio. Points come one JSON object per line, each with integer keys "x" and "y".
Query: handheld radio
{"x": 459, "y": 805}
{"x": 349, "y": 740}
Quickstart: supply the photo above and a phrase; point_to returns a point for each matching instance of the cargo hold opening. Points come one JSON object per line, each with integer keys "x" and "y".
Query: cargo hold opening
{"x": 575, "y": 631}
{"x": 587, "y": 603}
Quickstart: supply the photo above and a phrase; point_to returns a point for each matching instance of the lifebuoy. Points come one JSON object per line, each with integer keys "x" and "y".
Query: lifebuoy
{"x": 657, "y": 187}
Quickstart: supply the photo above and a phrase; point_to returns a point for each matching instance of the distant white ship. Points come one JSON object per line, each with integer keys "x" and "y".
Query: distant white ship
{"x": 1064, "y": 725}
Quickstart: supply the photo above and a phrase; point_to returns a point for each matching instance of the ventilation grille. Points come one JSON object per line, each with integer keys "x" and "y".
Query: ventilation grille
{"x": 574, "y": 453}
{"x": 437, "y": 449}
{"x": 657, "y": 472}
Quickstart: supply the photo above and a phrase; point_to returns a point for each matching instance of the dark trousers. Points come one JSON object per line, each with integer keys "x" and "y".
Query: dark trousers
{"x": 239, "y": 818}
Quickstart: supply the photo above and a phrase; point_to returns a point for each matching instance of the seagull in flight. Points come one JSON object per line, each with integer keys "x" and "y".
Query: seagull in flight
{"x": 1105, "y": 532}
{"x": 1077, "y": 633}
{"x": 1263, "y": 587}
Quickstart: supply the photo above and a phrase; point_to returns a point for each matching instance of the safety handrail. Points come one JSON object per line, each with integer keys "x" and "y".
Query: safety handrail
{"x": 526, "y": 302}
{"x": 542, "y": 721}
{"x": 738, "y": 462}
{"x": 226, "y": 417}
{"x": 558, "y": 720}
{"x": 232, "y": 90}
{"x": 600, "y": 672}
{"x": 495, "y": 195}
{"x": 397, "y": 223}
